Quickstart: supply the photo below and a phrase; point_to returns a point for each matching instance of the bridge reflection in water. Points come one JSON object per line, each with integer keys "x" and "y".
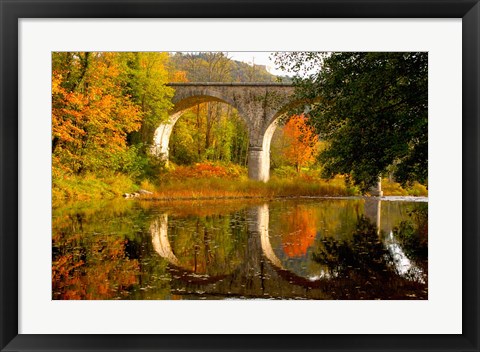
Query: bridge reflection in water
{"x": 263, "y": 274}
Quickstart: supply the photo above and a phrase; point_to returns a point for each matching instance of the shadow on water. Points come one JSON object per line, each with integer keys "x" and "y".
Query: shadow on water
{"x": 295, "y": 249}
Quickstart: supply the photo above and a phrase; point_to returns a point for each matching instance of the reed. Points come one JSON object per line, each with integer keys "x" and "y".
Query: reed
{"x": 205, "y": 181}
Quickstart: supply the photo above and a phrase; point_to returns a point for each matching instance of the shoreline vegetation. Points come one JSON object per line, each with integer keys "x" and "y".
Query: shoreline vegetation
{"x": 213, "y": 181}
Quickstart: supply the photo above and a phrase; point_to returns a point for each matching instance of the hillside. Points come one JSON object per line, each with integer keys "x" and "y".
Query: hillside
{"x": 218, "y": 67}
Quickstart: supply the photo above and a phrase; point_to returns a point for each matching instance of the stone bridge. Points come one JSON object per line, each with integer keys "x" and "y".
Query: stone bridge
{"x": 258, "y": 104}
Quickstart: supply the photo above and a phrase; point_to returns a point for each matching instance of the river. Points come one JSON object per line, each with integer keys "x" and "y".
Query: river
{"x": 351, "y": 248}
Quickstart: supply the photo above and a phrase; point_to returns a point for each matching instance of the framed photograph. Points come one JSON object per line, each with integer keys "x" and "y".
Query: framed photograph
{"x": 200, "y": 175}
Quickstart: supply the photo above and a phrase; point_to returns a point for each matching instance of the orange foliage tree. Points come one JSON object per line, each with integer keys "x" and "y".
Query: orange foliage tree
{"x": 91, "y": 116}
{"x": 301, "y": 142}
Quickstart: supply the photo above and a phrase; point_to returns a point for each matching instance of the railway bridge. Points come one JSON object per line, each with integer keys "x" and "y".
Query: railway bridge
{"x": 260, "y": 105}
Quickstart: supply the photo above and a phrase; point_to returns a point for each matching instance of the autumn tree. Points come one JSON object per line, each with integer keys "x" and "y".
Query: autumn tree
{"x": 301, "y": 142}
{"x": 105, "y": 107}
{"x": 91, "y": 116}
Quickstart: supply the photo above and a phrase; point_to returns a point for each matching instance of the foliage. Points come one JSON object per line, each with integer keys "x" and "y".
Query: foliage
{"x": 217, "y": 67}
{"x": 106, "y": 106}
{"x": 89, "y": 255}
{"x": 277, "y": 146}
{"x": 209, "y": 131}
{"x": 413, "y": 233}
{"x": 216, "y": 181}
{"x": 91, "y": 117}
{"x": 215, "y": 130}
{"x": 417, "y": 189}
{"x": 146, "y": 74}
{"x": 89, "y": 187}
{"x": 206, "y": 170}
{"x": 100, "y": 101}
{"x": 372, "y": 109}
{"x": 391, "y": 188}
{"x": 302, "y": 142}
{"x": 285, "y": 172}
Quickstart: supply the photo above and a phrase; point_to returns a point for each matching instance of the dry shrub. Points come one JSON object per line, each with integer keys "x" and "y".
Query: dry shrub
{"x": 207, "y": 170}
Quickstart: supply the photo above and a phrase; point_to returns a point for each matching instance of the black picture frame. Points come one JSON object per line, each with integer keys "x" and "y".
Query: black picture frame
{"x": 12, "y": 11}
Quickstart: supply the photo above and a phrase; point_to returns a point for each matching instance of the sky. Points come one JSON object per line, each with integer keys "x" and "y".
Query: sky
{"x": 259, "y": 58}
{"x": 263, "y": 58}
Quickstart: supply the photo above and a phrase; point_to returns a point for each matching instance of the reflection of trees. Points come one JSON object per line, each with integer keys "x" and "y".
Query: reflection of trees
{"x": 296, "y": 228}
{"x": 205, "y": 208}
{"x": 91, "y": 267}
{"x": 413, "y": 233}
{"x": 364, "y": 267}
{"x": 300, "y": 229}
{"x": 363, "y": 255}
{"x": 331, "y": 217}
{"x": 91, "y": 251}
{"x": 209, "y": 244}
{"x": 230, "y": 250}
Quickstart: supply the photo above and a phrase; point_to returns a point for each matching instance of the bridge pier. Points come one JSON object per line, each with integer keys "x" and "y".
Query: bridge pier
{"x": 376, "y": 191}
{"x": 160, "y": 142}
{"x": 258, "y": 164}
{"x": 161, "y": 138}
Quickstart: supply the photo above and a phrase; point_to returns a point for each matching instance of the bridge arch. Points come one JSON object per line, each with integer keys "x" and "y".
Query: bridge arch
{"x": 258, "y": 104}
{"x": 183, "y": 100}
{"x": 193, "y": 97}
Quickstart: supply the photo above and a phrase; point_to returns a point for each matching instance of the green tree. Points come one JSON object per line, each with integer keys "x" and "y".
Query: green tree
{"x": 371, "y": 108}
{"x": 145, "y": 75}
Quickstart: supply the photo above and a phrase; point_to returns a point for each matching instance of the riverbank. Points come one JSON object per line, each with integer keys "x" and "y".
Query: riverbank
{"x": 75, "y": 188}
{"x": 215, "y": 188}
{"x": 92, "y": 188}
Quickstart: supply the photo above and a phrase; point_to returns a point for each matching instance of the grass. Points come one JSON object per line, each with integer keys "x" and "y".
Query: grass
{"x": 391, "y": 188}
{"x": 220, "y": 188}
{"x": 90, "y": 187}
{"x": 214, "y": 181}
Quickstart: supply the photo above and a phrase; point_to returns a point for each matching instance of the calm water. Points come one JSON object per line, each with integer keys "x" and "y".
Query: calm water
{"x": 285, "y": 249}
